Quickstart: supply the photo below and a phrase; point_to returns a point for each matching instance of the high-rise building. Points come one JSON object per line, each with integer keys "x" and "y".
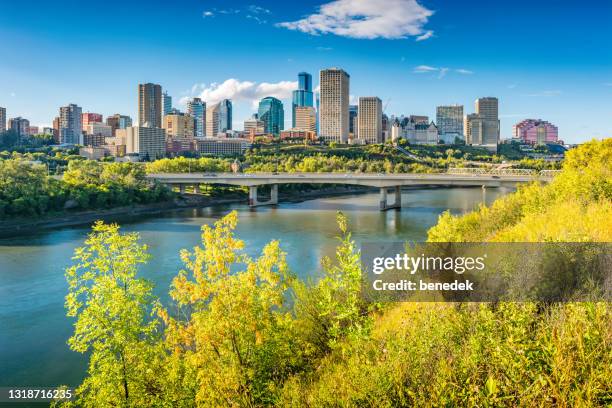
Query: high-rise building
{"x": 370, "y": 119}
{"x": 89, "y": 117}
{"x": 225, "y": 115}
{"x": 334, "y": 103}
{"x": 305, "y": 118}
{"x": 353, "y": 121}
{"x": 149, "y": 143}
{"x": 302, "y": 96}
{"x": 179, "y": 126}
{"x": 166, "y": 104}
{"x": 212, "y": 121}
{"x": 474, "y": 129}
{"x": 118, "y": 121}
{"x": 20, "y": 126}
{"x": 272, "y": 114}
{"x": 149, "y": 105}
{"x": 254, "y": 126}
{"x": 449, "y": 120}
{"x": 70, "y": 126}
{"x": 2, "y": 119}
{"x": 488, "y": 109}
{"x": 197, "y": 109}
{"x": 535, "y": 131}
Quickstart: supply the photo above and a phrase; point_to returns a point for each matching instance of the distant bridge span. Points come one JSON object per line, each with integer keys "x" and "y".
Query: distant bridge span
{"x": 454, "y": 177}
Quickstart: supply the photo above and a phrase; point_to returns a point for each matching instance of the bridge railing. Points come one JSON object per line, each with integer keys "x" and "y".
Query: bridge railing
{"x": 492, "y": 172}
{"x": 501, "y": 172}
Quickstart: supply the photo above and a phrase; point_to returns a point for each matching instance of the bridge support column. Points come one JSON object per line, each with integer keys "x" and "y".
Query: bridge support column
{"x": 384, "y": 205}
{"x": 484, "y": 194}
{"x": 196, "y": 189}
{"x": 182, "y": 188}
{"x": 254, "y": 201}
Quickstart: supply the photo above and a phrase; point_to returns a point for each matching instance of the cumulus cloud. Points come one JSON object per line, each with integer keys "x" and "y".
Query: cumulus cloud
{"x": 367, "y": 19}
{"x": 241, "y": 91}
{"x": 208, "y": 13}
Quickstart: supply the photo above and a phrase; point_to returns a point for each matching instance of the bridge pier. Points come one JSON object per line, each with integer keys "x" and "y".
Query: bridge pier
{"x": 397, "y": 203}
{"x": 484, "y": 195}
{"x": 196, "y": 189}
{"x": 254, "y": 202}
{"x": 182, "y": 188}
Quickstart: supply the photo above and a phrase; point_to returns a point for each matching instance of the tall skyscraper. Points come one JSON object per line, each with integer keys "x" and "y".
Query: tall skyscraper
{"x": 20, "y": 126}
{"x": 166, "y": 104}
{"x": 334, "y": 103}
{"x": 370, "y": 119}
{"x": 272, "y": 114}
{"x": 353, "y": 120}
{"x": 449, "y": 120}
{"x": 118, "y": 121}
{"x": 303, "y": 96}
{"x": 70, "y": 124}
{"x": 2, "y": 119}
{"x": 474, "y": 129}
{"x": 149, "y": 105}
{"x": 488, "y": 109}
{"x": 197, "y": 109}
{"x": 305, "y": 118}
{"x": 219, "y": 118}
{"x": 225, "y": 115}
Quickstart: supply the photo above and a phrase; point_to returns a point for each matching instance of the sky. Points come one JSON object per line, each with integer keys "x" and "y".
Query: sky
{"x": 543, "y": 59}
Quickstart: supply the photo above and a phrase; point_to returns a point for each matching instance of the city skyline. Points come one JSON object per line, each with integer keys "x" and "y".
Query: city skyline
{"x": 436, "y": 54}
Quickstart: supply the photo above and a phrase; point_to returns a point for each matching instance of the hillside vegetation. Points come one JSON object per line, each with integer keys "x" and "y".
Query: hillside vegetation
{"x": 244, "y": 332}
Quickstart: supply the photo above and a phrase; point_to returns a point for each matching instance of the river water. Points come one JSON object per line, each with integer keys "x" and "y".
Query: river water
{"x": 33, "y": 325}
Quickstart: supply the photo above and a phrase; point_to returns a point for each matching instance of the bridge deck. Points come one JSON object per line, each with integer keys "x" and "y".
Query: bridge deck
{"x": 363, "y": 179}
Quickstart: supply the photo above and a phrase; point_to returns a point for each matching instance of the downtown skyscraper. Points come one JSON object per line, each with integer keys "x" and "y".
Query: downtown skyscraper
{"x": 370, "y": 120}
{"x": 70, "y": 124}
{"x": 334, "y": 105}
{"x": 303, "y": 96}
{"x": 449, "y": 119}
{"x": 488, "y": 110}
{"x": 150, "y": 105}
{"x": 2, "y": 119}
{"x": 197, "y": 109}
{"x": 272, "y": 114}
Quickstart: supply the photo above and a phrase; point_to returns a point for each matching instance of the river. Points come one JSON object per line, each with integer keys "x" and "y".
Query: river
{"x": 33, "y": 325}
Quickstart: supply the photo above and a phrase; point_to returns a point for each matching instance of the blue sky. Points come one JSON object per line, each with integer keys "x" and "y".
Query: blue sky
{"x": 543, "y": 59}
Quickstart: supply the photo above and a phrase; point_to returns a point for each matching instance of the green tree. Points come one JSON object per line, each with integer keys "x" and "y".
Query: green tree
{"x": 112, "y": 307}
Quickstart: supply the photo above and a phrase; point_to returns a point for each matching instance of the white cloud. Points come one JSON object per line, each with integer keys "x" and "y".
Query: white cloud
{"x": 241, "y": 91}
{"x": 421, "y": 69}
{"x": 464, "y": 71}
{"x": 367, "y": 19}
{"x": 442, "y": 71}
{"x": 423, "y": 37}
{"x": 257, "y": 9}
{"x": 208, "y": 13}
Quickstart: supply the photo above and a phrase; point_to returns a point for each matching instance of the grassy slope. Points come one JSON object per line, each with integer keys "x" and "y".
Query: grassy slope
{"x": 511, "y": 354}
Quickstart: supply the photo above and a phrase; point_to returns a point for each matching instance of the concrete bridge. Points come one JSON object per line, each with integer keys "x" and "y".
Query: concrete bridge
{"x": 454, "y": 177}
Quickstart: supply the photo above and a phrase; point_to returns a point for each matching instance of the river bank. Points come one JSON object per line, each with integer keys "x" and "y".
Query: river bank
{"x": 24, "y": 226}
